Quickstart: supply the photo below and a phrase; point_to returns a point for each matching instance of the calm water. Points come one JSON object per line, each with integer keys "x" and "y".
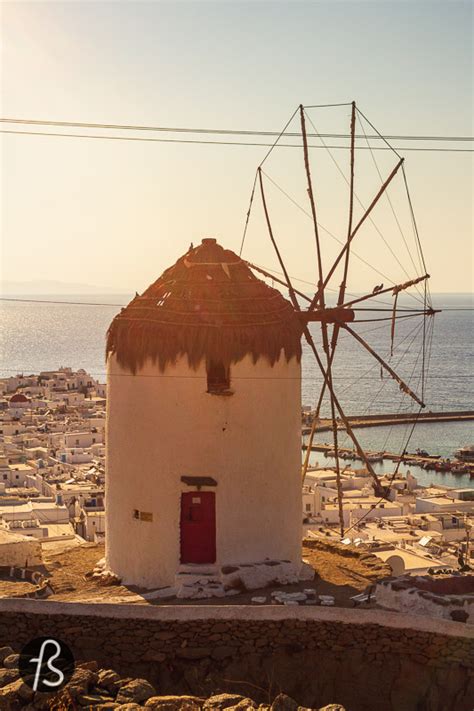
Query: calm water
{"x": 437, "y": 438}
{"x": 43, "y": 336}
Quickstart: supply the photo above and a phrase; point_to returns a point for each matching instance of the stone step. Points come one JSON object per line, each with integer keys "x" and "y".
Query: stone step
{"x": 196, "y": 579}
{"x": 198, "y": 591}
{"x": 198, "y": 569}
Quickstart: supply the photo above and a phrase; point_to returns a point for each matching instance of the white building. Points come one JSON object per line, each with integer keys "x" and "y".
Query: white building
{"x": 354, "y": 509}
{"x": 203, "y": 423}
{"x": 16, "y": 474}
{"x": 442, "y": 504}
{"x": 82, "y": 439}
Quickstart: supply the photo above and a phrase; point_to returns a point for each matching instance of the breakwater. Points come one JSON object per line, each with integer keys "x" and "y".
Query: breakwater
{"x": 358, "y": 421}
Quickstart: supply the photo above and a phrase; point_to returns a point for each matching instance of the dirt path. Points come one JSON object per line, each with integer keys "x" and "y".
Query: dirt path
{"x": 339, "y": 572}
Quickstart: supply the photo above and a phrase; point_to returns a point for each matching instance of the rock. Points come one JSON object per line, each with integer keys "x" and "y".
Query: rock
{"x": 152, "y": 656}
{"x": 222, "y": 652}
{"x": 11, "y": 662}
{"x": 258, "y": 600}
{"x": 9, "y": 695}
{"x": 42, "y": 699}
{"x": 243, "y": 705}
{"x": 224, "y": 701}
{"x": 5, "y": 652}
{"x": 326, "y": 600}
{"x": 106, "y": 578}
{"x": 15, "y": 690}
{"x": 298, "y": 596}
{"x": 175, "y": 703}
{"x": 459, "y": 615}
{"x": 259, "y": 575}
{"x": 108, "y": 679}
{"x": 7, "y": 676}
{"x": 128, "y": 707}
{"x": 194, "y": 653}
{"x": 284, "y": 703}
{"x": 332, "y": 707}
{"x": 81, "y": 682}
{"x": 92, "y": 666}
{"x": 95, "y": 700}
{"x": 135, "y": 691}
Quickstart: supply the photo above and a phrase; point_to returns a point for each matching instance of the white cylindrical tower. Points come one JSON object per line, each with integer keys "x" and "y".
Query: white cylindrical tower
{"x": 203, "y": 423}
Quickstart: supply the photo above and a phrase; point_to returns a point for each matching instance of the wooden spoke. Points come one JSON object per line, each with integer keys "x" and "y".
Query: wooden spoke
{"x": 313, "y": 207}
{"x": 289, "y": 285}
{"x": 277, "y": 279}
{"x": 342, "y": 288}
{"x": 394, "y": 289}
{"x": 378, "y": 488}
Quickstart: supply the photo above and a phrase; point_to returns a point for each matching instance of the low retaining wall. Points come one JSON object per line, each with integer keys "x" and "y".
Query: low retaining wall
{"x": 34, "y": 577}
{"x": 364, "y": 659}
{"x": 450, "y": 598}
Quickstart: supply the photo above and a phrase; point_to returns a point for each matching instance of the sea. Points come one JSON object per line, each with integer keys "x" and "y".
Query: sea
{"x": 38, "y": 333}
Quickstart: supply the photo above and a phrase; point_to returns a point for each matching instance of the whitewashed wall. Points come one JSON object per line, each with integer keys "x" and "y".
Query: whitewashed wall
{"x": 163, "y": 426}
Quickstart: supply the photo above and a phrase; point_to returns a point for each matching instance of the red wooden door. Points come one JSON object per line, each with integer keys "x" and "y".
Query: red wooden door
{"x": 198, "y": 527}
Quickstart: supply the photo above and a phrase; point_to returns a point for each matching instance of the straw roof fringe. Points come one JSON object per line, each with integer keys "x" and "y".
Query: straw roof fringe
{"x": 208, "y": 306}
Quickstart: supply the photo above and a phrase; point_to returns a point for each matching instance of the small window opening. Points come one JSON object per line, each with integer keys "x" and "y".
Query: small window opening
{"x": 218, "y": 378}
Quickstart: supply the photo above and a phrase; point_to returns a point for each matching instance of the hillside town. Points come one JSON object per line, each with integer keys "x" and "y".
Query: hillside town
{"x": 52, "y": 458}
{"x": 52, "y": 486}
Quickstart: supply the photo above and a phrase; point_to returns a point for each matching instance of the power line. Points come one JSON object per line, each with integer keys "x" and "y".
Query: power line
{"x": 93, "y": 303}
{"x": 225, "y": 131}
{"x": 53, "y": 301}
{"x": 225, "y": 143}
{"x": 21, "y": 371}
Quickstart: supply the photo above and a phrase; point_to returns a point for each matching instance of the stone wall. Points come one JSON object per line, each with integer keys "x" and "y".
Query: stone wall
{"x": 364, "y": 659}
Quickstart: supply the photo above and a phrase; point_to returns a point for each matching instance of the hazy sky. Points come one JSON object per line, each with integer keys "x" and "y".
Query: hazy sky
{"x": 115, "y": 214}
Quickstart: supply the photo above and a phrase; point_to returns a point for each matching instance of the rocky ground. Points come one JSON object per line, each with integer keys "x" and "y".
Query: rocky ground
{"x": 340, "y": 572}
{"x": 93, "y": 688}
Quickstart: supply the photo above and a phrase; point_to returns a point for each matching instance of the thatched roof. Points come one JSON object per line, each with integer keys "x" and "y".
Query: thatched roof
{"x": 210, "y": 306}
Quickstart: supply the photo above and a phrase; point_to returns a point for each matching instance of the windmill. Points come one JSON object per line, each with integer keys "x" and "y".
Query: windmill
{"x": 343, "y": 316}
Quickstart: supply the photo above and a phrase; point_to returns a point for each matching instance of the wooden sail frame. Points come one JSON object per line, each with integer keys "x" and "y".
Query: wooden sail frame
{"x": 345, "y": 310}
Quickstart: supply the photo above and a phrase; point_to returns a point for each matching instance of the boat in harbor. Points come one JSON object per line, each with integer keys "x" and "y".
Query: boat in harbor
{"x": 375, "y": 457}
{"x": 443, "y": 465}
{"x": 460, "y": 469}
{"x": 465, "y": 454}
